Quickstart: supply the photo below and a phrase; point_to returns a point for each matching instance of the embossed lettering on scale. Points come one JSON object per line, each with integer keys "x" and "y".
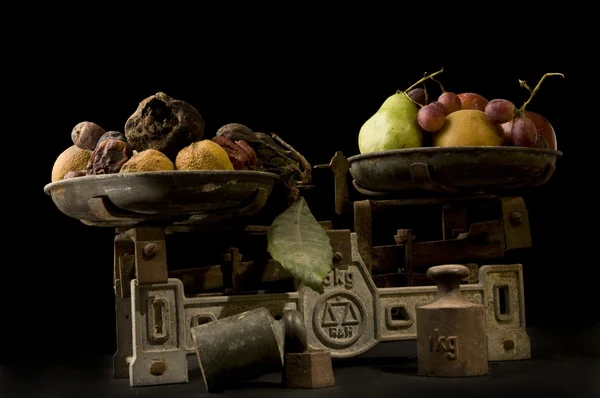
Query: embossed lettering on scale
{"x": 340, "y": 317}
{"x": 339, "y": 277}
{"x": 339, "y": 313}
{"x": 444, "y": 344}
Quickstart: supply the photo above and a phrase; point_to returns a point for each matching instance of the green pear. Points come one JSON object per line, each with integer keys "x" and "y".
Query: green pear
{"x": 393, "y": 126}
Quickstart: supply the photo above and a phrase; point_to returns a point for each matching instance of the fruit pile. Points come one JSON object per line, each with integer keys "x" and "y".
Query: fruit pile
{"x": 168, "y": 134}
{"x": 408, "y": 119}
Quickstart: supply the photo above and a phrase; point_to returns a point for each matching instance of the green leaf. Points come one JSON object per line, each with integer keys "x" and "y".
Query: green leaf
{"x": 300, "y": 244}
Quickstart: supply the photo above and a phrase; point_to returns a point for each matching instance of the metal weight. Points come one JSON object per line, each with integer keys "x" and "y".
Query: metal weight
{"x": 451, "y": 333}
{"x": 245, "y": 346}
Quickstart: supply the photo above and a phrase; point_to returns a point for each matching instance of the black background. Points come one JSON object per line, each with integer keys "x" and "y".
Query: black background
{"x": 316, "y": 94}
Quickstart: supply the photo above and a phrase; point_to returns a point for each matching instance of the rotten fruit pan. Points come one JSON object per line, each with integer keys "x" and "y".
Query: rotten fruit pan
{"x": 185, "y": 195}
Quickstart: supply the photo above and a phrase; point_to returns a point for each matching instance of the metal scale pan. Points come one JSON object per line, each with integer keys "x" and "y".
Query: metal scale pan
{"x": 451, "y": 170}
{"x": 182, "y": 196}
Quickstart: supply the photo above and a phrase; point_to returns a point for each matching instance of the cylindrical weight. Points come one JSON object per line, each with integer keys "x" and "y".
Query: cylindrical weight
{"x": 451, "y": 339}
{"x": 239, "y": 347}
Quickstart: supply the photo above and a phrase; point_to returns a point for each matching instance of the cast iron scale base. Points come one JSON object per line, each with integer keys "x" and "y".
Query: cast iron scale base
{"x": 377, "y": 278}
{"x": 155, "y": 312}
{"x": 370, "y": 295}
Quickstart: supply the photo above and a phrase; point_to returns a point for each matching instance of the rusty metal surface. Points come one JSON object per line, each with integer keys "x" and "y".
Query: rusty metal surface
{"x": 124, "y": 339}
{"x": 392, "y": 317}
{"x": 504, "y": 299}
{"x": 451, "y": 332}
{"x": 310, "y": 369}
{"x": 234, "y": 276}
{"x": 124, "y": 273}
{"x": 240, "y": 347}
{"x": 295, "y": 338}
{"x": 128, "y": 199}
{"x": 483, "y": 241}
{"x": 505, "y": 228}
{"x": 451, "y": 170}
{"x": 158, "y": 338}
{"x": 515, "y": 219}
{"x": 349, "y": 318}
{"x": 339, "y": 166}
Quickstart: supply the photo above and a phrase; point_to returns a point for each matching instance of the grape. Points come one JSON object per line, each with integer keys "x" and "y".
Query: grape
{"x": 507, "y": 132}
{"x": 450, "y": 101}
{"x": 431, "y": 118}
{"x": 523, "y": 132}
{"x": 500, "y": 111}
{"x": 418, "y": 95}
{"x": 440, "y": 105}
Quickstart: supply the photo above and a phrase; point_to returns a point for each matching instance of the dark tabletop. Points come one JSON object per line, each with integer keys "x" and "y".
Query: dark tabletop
{"x": 565, "y": 363}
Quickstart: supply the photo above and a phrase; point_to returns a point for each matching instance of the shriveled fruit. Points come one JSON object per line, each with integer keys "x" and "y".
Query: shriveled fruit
{"x": 109, "y": 157}
{"x": 165, "y": 124}
{"x": 418, "y": 95}
{"x": 473, "y": 101}
{"x": 468, "y": 127}
{"x": 500, "y": 111}
{"x": 115, "y": 135}
{"x": 203, "y": 155}
{"x": 450, "y": 101}
{"x": 71, "y": 159}
{"x": 148, "y": 160}
{"x": 523, "y": 132}
{"x": 241, "y": 155}
{"x": 252, "y": 158}
{"x": 236, "y": 132}
{"x": 85, "y": 135}
{"x": 431, "y": 118}
{"x": 75, "y": 173}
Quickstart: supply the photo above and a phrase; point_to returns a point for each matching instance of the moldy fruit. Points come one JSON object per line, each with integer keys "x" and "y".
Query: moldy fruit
{"x": 71, "y": 159}
{"x": 148, "y": 160}
{"x": 165, "y": 124}
{"x": 203, "y": 155}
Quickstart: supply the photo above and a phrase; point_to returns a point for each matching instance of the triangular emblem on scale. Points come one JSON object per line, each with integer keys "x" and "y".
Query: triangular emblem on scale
{"x": 329, "y": 317}
{"x": 350, "y": 315}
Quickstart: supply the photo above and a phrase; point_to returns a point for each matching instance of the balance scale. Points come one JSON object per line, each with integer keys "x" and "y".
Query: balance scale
{"x": 369, "y": 296}
{"x": 377, "y": 278}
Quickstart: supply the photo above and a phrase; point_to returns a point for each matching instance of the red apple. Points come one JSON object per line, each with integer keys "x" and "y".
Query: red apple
{"x": 473, "y": 101}
{"x": 543, "y": 126}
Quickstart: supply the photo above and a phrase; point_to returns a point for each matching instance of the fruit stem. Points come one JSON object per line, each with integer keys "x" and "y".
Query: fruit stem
{"x": 535, "y": 90}
{"x": 423, "y": 79}
{"x": 441, "y": 86}
{"x": 425, "y": 90}
{"x": 524, "y": 84}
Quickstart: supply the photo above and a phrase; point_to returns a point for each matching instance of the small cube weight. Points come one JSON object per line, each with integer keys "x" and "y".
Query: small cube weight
{"x": 310, "y": 369}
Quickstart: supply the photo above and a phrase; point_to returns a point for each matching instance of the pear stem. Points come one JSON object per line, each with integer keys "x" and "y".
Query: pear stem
{"x": 521, "y": 110}
{"x": 423, "y": 79}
